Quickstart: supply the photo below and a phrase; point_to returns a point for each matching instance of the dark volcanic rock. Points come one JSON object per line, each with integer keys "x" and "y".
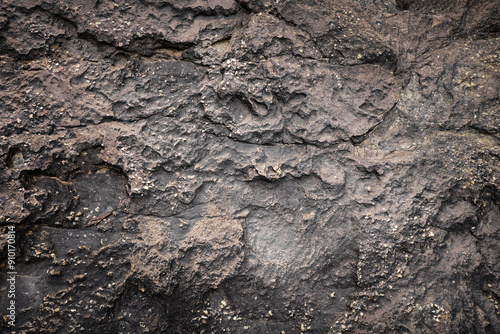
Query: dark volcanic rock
{"x": 251, "y": 166}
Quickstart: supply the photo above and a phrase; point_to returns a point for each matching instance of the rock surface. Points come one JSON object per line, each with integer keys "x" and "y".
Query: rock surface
{"x": 268, "y": 166}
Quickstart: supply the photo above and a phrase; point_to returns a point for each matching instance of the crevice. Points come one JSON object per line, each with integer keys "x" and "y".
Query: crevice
{"x": 277, "y": 143}
{"x": 357, "y": 140}
{"x": 133, "y": 47}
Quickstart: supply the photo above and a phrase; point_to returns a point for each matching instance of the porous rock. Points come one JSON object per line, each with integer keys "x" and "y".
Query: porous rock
{"x": 251, "y": 166}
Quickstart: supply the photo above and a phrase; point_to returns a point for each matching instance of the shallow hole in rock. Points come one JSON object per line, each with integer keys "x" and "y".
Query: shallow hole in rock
{"x": 119, "y": 60}
{"x": 14, "y": 158}
{"x": 403, "y": 4}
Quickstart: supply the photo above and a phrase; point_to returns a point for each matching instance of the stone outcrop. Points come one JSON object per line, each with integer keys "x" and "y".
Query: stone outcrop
{"x": 251, "y": 166}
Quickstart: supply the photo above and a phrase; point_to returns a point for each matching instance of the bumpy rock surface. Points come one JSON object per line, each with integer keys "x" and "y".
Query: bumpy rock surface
{"x": 269, "y": 166}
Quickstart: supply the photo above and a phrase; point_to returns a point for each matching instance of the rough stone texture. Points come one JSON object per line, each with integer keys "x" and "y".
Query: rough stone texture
{"x": 269, "y": 166}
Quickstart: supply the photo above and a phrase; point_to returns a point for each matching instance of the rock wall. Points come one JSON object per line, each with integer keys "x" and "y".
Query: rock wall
{"x": 251, "y": 166}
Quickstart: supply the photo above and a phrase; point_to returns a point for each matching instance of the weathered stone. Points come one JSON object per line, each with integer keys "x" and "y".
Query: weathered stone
{"x": 251, "y": 166}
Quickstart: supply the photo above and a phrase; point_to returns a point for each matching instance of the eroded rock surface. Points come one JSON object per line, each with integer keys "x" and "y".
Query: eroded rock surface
{"x": 251, "y": 166}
